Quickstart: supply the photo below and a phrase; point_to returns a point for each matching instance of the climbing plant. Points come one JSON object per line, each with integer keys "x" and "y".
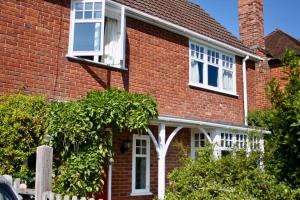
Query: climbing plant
{"x": 81, "y": 142}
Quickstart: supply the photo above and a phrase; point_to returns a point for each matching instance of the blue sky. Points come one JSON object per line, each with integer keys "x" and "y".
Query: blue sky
{"x": 283, "y": 14}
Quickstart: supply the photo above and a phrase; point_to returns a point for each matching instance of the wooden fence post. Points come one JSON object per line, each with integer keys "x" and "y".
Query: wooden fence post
{"x": 43, "y": 173}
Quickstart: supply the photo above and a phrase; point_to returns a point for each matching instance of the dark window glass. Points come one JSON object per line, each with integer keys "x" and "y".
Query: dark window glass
{"x": 140, "y": 173}
{"x": 213, "y": 76}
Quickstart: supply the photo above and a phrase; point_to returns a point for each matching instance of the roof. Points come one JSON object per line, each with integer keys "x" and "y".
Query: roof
{"x": 278, "y": 41}
{"x": 188, "y": 15}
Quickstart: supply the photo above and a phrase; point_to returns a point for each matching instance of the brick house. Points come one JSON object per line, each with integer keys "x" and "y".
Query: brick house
{"x": 204, "y": 79}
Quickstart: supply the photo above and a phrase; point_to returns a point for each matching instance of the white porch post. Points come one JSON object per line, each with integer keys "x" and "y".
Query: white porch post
{"x": 161, "y": 161}
{"x": 161, "y": 149}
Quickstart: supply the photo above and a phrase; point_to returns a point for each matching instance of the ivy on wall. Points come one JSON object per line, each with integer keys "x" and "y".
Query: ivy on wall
{"x": 81, "y": 143}
{"x": 78, "y": 131}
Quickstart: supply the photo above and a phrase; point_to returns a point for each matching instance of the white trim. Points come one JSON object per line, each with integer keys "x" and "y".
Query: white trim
{"x": 245, "y": 90}
{"x": 206, "y": 64}
{"x": 96, "y": 54}
{"x": 95, "y": 63}
{"x": 153, "y": 140}
{"x": 196, "y": 131}
{"x": 192, "y": 123}
{"x": 73, "y": 21}
{"x": 183, "y": 31}
{"x": 146, "y": 191}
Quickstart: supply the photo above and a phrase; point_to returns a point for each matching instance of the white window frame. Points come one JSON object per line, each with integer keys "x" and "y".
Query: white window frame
{"x": 146, "y": 191}
{"x": 96, "y": 54}
{"x": 205, "y": 140}
{"x": 240, "y": 141}
{"x": 205, "y": 70}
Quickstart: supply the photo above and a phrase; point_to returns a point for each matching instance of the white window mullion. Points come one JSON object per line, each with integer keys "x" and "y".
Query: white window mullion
{"x": 123, "y": 37}
{"x": 205, "y": 68}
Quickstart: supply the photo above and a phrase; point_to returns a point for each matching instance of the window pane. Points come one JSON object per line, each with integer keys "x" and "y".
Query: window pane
{"x": 138, "y": 142}
{"x": 78, "y": 6}
{"x": 98, "y": 6}
{"x": 144, "y": 150}
{"x": 140, "y": 173}
{"x": 87, "y": 37}
{"x": 88, "y": 14}
{"x": 97, "y": 15}
{"x": 78, "y": 15}
{"x": 227, "y": 80}
{"x": 213, "y": 76}
{"x": 88, "y": 6}
{"x": 138, "y": 150}
{"x": 197, "y": 72}
{"x": 144, "y": 143}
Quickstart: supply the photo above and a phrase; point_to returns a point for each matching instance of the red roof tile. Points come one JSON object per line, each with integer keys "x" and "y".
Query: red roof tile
{"x": 188, "y": 15}
{"x": 278, "y": 41}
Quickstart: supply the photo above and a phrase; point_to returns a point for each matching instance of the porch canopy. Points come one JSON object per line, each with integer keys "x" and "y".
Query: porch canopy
{"x": 162, "y": 143}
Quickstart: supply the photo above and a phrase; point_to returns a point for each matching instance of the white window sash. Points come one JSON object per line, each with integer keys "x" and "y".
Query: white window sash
{"x": 205, "y": 62}
{"x": 134, "y": 156}
{"x": 123, "y": 38}
{"x": 73, "y": 21}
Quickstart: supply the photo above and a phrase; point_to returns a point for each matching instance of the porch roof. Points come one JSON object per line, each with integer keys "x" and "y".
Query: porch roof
{"x": 190, "y": 123}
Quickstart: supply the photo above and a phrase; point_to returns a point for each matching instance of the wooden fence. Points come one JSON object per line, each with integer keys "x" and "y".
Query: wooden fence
{"x": 43, "y": 179}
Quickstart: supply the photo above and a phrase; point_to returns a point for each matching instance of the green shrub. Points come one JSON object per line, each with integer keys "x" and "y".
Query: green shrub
{"x": 232, "y": 177}
{"x": 22, "y": 124}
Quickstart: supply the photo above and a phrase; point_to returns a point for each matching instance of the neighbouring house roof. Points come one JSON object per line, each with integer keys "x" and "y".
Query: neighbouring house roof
{"x": 188, "y": 15}
{"x": 278, "y": 41}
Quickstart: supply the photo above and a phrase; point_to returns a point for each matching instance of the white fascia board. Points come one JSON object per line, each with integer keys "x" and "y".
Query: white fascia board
{"x": 134, "y": 13}
{"x": 192, "y": 123}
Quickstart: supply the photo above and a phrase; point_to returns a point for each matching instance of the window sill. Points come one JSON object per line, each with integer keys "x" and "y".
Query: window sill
{"x": 213, "y": 89}
{"x": 96, "y": 64}
{"x": 141, "y": 193}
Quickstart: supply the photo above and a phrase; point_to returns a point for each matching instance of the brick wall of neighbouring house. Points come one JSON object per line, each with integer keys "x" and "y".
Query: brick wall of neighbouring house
{"x": 34, "y": 42}
{"x": 121, "y": 170}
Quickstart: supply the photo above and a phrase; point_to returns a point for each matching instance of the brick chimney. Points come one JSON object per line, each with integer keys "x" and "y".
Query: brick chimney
{"x": 251, "y": 23}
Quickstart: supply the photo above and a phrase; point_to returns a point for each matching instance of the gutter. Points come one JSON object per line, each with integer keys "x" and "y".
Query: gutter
{"x": 245, "y": 90}
{"x": 192, "y": 123}
{"x": 131, "y": 12}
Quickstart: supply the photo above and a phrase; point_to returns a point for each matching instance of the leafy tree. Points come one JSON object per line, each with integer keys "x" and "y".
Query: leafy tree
{"x": 22, "y": 124}
{"x": 231, "y": 177}
{"x": 81, "y": 144}
{"x": 285, "y": 142}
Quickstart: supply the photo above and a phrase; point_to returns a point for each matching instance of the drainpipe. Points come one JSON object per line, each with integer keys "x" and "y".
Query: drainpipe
{"x": 245, "y": 90}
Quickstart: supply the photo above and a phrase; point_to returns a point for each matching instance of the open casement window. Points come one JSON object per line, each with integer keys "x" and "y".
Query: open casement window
{"x": 98, "y": 32}
{"x": 141, "y": 165}
{"x": 198, "y": 140}
{"x": 211, "y": 69}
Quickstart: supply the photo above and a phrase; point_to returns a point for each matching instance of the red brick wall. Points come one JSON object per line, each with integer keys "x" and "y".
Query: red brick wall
{"x": 121, "y": 170}
{"x": 34, "y": 42}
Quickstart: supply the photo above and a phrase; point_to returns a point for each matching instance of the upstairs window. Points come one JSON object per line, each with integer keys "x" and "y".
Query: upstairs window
{"x": 97, "y": 32}
{"x": 212, "y": 69}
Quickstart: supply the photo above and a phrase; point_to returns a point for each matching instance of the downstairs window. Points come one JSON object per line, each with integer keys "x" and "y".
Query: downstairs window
{"x": 141, "y": 165}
